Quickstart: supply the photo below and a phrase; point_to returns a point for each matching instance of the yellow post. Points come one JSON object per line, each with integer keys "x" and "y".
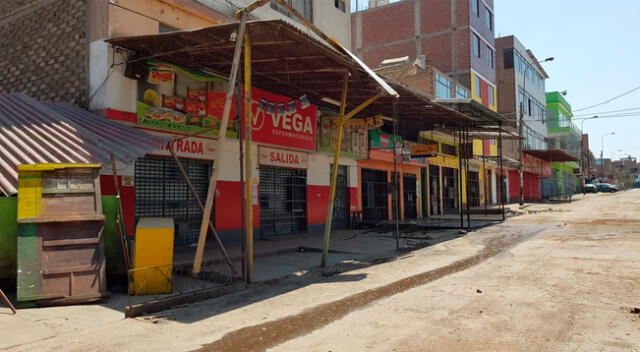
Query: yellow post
{"x": 334, "y": 171}
{"x": 336, "y": 160}
{"x": 248, "y": 169}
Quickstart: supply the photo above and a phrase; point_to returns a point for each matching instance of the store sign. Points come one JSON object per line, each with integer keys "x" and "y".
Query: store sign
{"x": 188, "y": 147}
{"x": 424, "y": 150}
{"x": 283, "y": 121}
{"x": 380, "y": 140}
{"x": 158, "y": 75}
{"x": 188, "y": 107}
{"x": 354, "y": 140}
{"x": 283, "y": 158}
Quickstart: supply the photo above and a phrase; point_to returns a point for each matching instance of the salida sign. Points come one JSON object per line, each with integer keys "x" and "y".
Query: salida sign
{"x": 282, "y": 121}
{"x": 283, "y": 158}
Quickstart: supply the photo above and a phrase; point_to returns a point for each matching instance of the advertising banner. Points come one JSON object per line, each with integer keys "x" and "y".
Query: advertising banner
{"x": 283, "y": 121}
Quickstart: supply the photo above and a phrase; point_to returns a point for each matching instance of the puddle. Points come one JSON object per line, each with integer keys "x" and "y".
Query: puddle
{"x": 266, "y": 335}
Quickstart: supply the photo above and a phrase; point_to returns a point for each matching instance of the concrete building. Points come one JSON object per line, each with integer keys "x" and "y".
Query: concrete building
{"x": 53, "y": 49}
{"x": 521, "y": 90}
{"x": 566, "y": 136}
{"x": 456, "y": 37}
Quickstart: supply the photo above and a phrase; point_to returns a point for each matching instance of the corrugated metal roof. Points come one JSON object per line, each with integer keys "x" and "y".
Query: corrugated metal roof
{"x": 34, "y": 132}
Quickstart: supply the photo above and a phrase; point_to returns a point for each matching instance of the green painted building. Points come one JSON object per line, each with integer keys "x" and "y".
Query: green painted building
{"x": 564, "y": 135}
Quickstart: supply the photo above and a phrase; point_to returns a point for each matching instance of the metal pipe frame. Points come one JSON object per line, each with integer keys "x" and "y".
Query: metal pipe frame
{"x": 500, "y": 165}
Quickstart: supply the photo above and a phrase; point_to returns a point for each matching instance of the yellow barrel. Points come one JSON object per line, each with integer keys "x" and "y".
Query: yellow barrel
{"x": 152, "y": 270}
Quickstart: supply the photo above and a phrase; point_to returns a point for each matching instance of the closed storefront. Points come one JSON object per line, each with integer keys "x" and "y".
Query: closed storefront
{"x": 282, "y": 191}
{"x": 410, "y": 196}
{"x": 434, "y": 190}
{"x": 474, "y": 188}
{"x": 161, "y": 191}
{"x": 375, "y": 206}
{"x": 450, "y": 190}
{"x": 341, "y": 202}
{"x": 283, "y": 201}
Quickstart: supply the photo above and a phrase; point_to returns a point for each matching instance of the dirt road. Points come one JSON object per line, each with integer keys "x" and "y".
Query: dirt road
{"x": 560, "y": 280}
{"x": 572, "y": 288}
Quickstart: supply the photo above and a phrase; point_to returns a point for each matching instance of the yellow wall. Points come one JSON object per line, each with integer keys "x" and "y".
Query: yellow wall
{"x": 475, "y": 95}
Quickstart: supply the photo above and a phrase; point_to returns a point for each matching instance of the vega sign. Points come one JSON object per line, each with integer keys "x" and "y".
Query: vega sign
{"x": 279, "y": 120}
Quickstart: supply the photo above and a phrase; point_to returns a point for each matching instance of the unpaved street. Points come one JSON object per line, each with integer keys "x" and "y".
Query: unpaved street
{"x": 571, "y": 288}
{"x": 559, "y": 278}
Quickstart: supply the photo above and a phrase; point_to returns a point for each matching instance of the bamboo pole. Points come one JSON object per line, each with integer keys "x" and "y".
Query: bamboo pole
{"x": 222, "y": 136}
{"x": 334, "y": 172}
{"x": 248, "y": 167}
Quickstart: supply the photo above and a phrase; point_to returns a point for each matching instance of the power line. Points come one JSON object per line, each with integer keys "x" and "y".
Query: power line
{"x": 609, "y": 100}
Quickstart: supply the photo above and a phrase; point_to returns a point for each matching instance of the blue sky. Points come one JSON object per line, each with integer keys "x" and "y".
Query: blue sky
{"x": 596, "y": 46}
{"x": 597, "y": 53}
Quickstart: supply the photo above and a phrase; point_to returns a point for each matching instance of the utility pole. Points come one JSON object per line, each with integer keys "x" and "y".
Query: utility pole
{"x": 602, "y": 154}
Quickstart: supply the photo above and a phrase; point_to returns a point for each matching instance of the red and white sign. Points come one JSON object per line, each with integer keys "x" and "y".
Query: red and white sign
{"x": 159, "y": 75}
{"x": 283, "y": 158}
{"x": 292, "y": 128}
{"x": 188, "y": 147}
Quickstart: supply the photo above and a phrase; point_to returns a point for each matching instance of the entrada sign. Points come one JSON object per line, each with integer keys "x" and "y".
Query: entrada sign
{"x": 283, "y": 158}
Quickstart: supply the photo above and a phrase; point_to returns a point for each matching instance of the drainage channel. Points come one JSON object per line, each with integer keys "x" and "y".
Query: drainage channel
{"x": 266, "y": 335}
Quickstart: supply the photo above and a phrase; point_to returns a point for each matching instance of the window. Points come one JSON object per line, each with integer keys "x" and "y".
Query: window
{"x": 448, "y": 149}
{"x": 475, "y": 7}
{"x": 461, "y": 92}
{"x": 305, "y": 7}
{"x": 491, "y": 96}
{"x": 488, "y": 18}
{"x": 339, "y": 4}
{"x": 443, "y": 87}
{"x": 490, "y": 57}
{"x": 476, "y": 86}
{"x": 508, "y": 58}
{"x": 475, "y": 45}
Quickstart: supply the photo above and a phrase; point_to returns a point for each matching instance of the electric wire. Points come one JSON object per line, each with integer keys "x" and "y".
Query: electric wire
{"x": 609, "y": 100}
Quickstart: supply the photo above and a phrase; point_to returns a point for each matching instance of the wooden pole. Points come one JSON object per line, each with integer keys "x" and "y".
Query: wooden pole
{"x": 222, "y": 136}
{"x": 120, "y": 226}
{"x": 334, "y": 172}
{"x": 248, "y": 167}
{"x": 199, "y": 201}
{"x": 7, "y": 302}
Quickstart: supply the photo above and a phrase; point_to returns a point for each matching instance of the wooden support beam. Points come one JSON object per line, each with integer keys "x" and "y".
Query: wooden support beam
{"x": 222, "y": 136}
{"x": 248, "y": 167}
{"x": 334, "y": 172}
{"x": 7, "y": 302}
{"x": 157, "y": 305}
{"x": 195, "y": 195}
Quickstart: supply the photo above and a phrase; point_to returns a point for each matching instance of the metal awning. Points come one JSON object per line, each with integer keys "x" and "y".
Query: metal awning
{"x": 556, "y": 155}
{"x": 477, "y": 111}
{"x": 33, "y": 132}
{"x": 287, "y": 61}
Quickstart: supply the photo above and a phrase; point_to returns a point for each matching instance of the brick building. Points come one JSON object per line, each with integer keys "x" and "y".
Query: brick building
{"x": 45, "y": 49}
{"x": 456, "y": 36}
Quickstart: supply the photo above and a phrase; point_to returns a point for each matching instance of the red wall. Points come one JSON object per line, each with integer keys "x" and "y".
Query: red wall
{"x": 531, "y": 186}
{"x": 228, "y": 203}
{"x": 127, "y": 198}
{"x": 317, "y": 201}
